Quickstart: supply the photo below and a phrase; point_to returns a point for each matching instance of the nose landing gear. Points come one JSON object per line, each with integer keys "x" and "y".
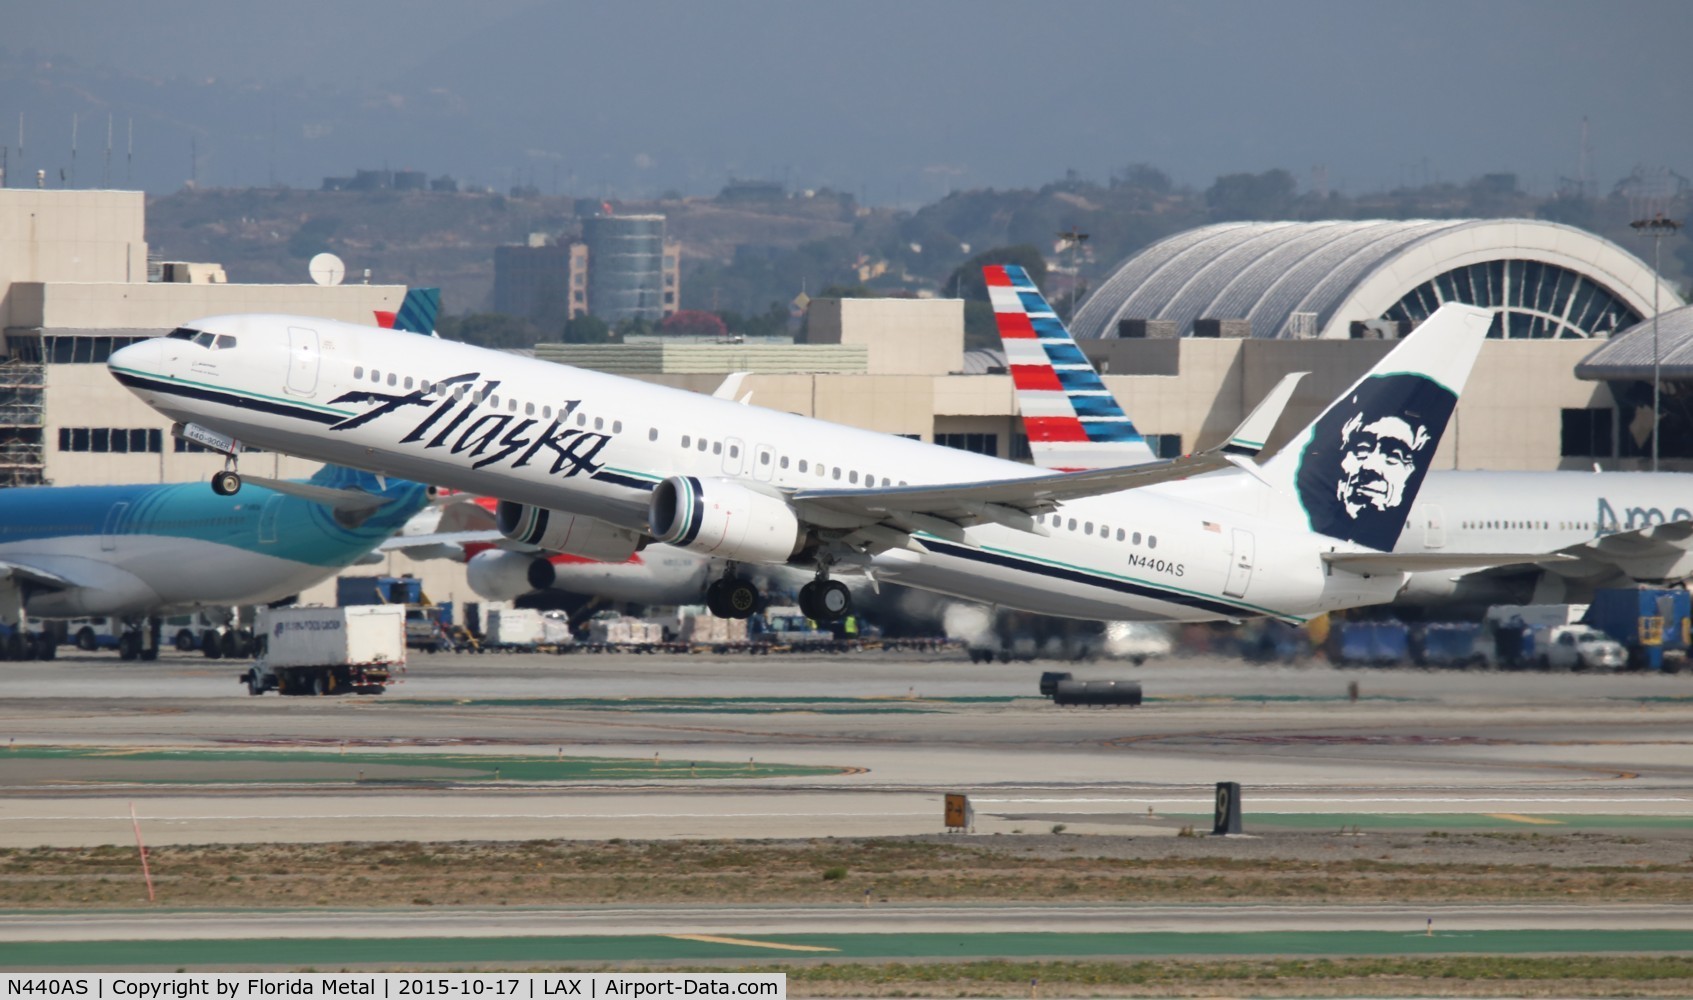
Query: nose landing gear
{"x": 226, "y": 483}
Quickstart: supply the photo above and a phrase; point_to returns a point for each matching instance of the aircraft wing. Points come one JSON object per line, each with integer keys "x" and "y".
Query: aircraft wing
{"x": 1655, "y": 552}
{"x": 1427, "y": 562}
{"x": 20, "y": 573}
{"x": 431, "y": 543}
{"x": 885, "y": 518}
{"x": 350, "y": 501}
{"x": 875, "y": 519}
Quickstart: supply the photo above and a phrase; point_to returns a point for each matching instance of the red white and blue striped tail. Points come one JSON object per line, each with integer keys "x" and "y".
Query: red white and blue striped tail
{"x": 1072, "y": 420}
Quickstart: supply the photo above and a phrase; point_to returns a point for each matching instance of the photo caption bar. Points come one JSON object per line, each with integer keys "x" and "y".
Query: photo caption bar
{"x": 392, "y": 986}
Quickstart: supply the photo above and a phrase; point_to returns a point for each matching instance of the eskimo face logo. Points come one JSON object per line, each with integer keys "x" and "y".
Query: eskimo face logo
{"x": 1367, "y": 455}
{"x": 1376, "y": 460}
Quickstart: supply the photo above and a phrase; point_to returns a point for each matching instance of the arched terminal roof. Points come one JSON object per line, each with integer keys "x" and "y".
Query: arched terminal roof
{"x": 1628, "y": 355}
{"x": 1315, "y": 279}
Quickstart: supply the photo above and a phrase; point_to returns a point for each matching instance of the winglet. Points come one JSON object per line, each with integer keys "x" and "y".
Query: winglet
{"x": 1072, "y": 420}
{"x": 1248, "y": 439}
{"x": 731, "y": 384}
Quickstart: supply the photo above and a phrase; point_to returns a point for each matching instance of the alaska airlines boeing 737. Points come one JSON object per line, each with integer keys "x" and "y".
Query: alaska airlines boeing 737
{"x": 597, "y": 465}
{"x": 1570, "y": 532}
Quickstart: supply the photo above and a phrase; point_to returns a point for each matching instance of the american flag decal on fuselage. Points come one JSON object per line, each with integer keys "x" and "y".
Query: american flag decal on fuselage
{"x": 1072, "y": 420}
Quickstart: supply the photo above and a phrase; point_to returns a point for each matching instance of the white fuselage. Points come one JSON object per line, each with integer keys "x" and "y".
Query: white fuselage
{"x": 566, "y": 439}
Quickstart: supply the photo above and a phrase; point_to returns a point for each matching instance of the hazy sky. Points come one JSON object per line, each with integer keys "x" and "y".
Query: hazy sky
{"x": 891, "y": 99}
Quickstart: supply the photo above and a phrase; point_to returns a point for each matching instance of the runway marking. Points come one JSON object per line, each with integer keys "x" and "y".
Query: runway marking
{"x": 714, "y": 939}
{"x": 1518, "y": 818}
{"x": 1259, "y": 803}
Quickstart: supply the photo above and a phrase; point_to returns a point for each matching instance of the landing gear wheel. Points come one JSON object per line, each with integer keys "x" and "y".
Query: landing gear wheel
{"x": 717, "y": 598}
{"x": 47, "y": 646}
{"x": 129, "y": 645}
{"x": 184, "y": 641}
{"x": 229, "y": 645}
{"x": 211, "y": 644}
{"x": 226, "y": 483}
{"x": 742, "y": 598}
{"x": 830, "y": 600}
{"x": 149, "y": 654}
{"x": 243, "y": 643}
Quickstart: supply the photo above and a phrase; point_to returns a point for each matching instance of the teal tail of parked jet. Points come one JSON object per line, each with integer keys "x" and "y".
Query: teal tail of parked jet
{"x": 68, "y": 551}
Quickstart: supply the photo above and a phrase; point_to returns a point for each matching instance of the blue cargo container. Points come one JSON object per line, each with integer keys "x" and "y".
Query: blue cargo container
{"x": 1374, "y": 642}
{"x": 1450, "y": 644}
{"x": 1648, "y": 621}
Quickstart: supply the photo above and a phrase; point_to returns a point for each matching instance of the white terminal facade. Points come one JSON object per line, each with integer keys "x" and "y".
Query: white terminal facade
{"x": 1196, "y": 356}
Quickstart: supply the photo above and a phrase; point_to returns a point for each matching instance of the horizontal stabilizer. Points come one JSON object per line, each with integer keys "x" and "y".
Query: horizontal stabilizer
{"x": 1429, "y": 562}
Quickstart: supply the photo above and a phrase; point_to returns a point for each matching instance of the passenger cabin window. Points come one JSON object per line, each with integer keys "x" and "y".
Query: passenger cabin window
{"x": 717, "y": 447}
{"x": 652, "y": 434}
{"x": 392, "y": 379}
{"x": 408, "y": 382}
{"x": 358, "y": 372}
{"x": 687, "y": 440}
{"x": 802, "y": 465}
{"x": 852, "y": 477}
{"x": 529, "y": 409}
{"x": 617, "y": 427}
{"x": 599, "y": 423}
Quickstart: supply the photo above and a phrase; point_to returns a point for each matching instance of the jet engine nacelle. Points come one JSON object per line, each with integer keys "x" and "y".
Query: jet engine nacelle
{"x": 556, "y": 531}
{"x": 500, "y": 574}
{"x": 722, "y": 518}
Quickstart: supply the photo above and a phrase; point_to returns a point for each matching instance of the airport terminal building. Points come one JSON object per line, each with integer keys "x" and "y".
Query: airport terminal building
{"x": 1190, "y": 333}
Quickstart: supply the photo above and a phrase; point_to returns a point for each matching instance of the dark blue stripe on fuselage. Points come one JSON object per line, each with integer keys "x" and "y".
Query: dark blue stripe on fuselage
{"x": 1088, "y": 579}
{"x": 277, "y": 407}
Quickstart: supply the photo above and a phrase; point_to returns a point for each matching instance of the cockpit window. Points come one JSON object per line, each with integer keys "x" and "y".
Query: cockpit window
{"x": 183, "y": 333}
{"x": 225, "y": 342}
{"x": 205, "y": 339}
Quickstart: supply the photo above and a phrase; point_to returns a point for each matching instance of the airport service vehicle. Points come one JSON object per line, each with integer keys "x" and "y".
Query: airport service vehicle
{"x": 142, "y": 552}
{"x": 328, "y": 650}
{"x": 598, "y": 465}
{"x": 1582, "y": 647}
{"x": 1571, "y": 532}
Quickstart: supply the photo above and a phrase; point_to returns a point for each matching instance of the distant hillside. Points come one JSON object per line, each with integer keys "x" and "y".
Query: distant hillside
{"x": 444, "y": 239}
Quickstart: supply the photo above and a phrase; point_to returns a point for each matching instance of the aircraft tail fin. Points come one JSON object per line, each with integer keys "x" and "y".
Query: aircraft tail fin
{"x": 417, "y": 312}
{"x": 1357, "y": 468}
{"x": 1072, "y": 420}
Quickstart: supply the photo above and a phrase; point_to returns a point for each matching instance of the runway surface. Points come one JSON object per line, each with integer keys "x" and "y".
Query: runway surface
{"x": 866, "y": 745}
{"x": 880, "y": 739}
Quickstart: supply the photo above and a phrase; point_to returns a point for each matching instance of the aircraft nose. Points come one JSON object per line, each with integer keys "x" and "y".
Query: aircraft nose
{"x": 145, "y": 356}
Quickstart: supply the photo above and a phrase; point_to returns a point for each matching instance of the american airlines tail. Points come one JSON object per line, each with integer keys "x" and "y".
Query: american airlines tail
{"x": 417, "y": 312}
{"x": 1355, "y": 470}
{"x": 1073, "y": 421}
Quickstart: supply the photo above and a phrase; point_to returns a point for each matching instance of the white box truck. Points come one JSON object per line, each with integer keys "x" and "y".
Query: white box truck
{"x": 328, "y": 650}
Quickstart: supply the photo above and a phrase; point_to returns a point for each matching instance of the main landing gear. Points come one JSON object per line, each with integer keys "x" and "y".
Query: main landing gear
{"x": 825, "y": 600}
{"x": 731, "y": 596}
{"x": 822, "y": 600}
